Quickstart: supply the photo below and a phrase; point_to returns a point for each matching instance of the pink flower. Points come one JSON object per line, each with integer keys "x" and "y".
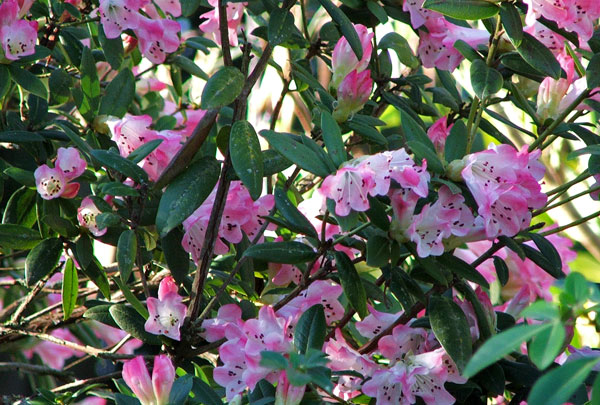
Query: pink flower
{"x": 235, "y": 12}
{"x": 352, "y": 94}
{"x": 408, "y": 174}
{"x": 553, "y": 41}
{"x": 404, "y": 339}
{"x": 418, "y": 14}
{"x": 167, "y": 312}
{"x": 172, "y": 7}
{"x": 153, "y": 391}
{"x": 436, "y": 48}
{"x": 286, "y": 393}
{"x": 438, "y": 133}
{"x": 52, "y": 354}
{"x": 349, "y": 188}
{"x": 573, "y": 15}
{"x": 70, "y": 162}
{"x": 111, "y": 336}
{"x": 227, "y": 323}
{"x": 344, "y": 60}
{"x": 50, "y": 183}
{"x": 86, "y": 215}
{"x": 17, "y": 36}
{"x": 157, "y": 38}
{"x": 231, "y": 374}
{"x": 118, "y": 15}
{"x": 375, "y": 322}
{"x": 321, "y": 292}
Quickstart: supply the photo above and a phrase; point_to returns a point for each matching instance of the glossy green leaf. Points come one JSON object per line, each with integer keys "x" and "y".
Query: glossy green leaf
{"x": 222, "y": 88}
{"x": 131, "y": 298}
{"x": 378, "y": 251}
{"x": 551, "y": 267}
{"x": 423, "y": 152}
{"x": 190, "y": 66}
{"x": 119, "y": 94}
{"x": 120, "y": 164}
{"x": 400, "y": 45}
{"x": 281, "y": 26}
{"x": 177, "y": 258}
{"x": 351, "y": 283}
{"x": 4, "y": 80}
{"x": 180, "y": 390}
{"x": 538, "y": 56}
{"x": 97, "y": 275}
{"x": 90, "y": 86}
{"x": 70, "y": 289}
{"x": 592, "y": 73}
{"x": 557, "y": 386}
{"x": 345, "y": 25}
{"x": 332, "y": 136}
{"x": 112, "y": 48}
{"x": 186, "y": 193}
{"x": 28, "y": 81}
{"x": 368, "y": 131}
{"x": 547, "y": 250}
{"x": 311, "y": 329}
{"x": 205, "y": 394}
{"x": 450, "y": 326}
{"x": 485, "y": 80}
{"x": 501, "y": 270}
{"x": 296, "y": 152}
{"x": 132, "y": 322}
{"x": 463, "y": 269}
{"x": 126, "y": 253}
{"x": 273, "y": 360}
{"x": 296, "y": 220}
{"x": 456, "y": 143}
{"x": 546, "y": 345}
{"x": 500, "y": 345}
{"x": 246, "y": 157}
{"x": 101, "y": 314}
{"x": 463, "y": 9}
{"x": 413, "y": 131}
{"x": 282, "y": 252}
{"x": 42, "y": 259}
{"x": 511, "y": 21}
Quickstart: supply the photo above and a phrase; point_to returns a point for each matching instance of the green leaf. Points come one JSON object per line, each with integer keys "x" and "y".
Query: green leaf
{"x": 282, "y": 252}
{"x": 90, "y": 86}
{"x": 415, "y": 132}
{"x": 205, "y": 394}
{"x": 456, "y": 143}
{"x": 296, "y": 152}
{"x": 126, "y": 253}
{"x": 400, "y": 45}
{"x": 485, "y": 80}
{"x": 311, "y": 329}
{"x": 557, "y": 386}
{"x": 500, "y": 345}
{"x": 112, "y": 48}
{"x": 186, "y": 193}
{"x": 501, "y": 270}
{"x": 101, "y": 314}
{"x": 20, "y": 208}
{"x": 28, "y": 81}
{"x": 332, "y": 136}
{"x": 577, "y": 286}
{"x": 422, "y": 151}
{"x": 450, "y": 326}
{"x": 120, "y": 164}
{"x": 346, "y": 27}
{"x": 546, "y": 345}
{"x": 222, "y": 88}
{"x": 246, "y": 157}
{"x": 70, "y": 289}
{"x": 141, "y": 152}
{"x": 551, "y": 267}
{"x": 177, "y": 258}
{"x": 96, "y": 273}
{"x": 42, "y": 259}
{"x": 273, "y": 360}
{"x": 538, "y": 56}
{"x": 592, "y": 73}
{"x": 4, "y": 80}
{"x": 25, "y": 177}
{"x": 368, "y": 131}
{"x": 463, "y": 9}
{"x": 131, "y": 298}
{"x": 443, "y": 96}
{"x": 378, "y": 251}
{"x": 351, "y": 283}
{"x": 281, "y": 26}
{"x": 118, "y": 189}
{"x": 180, "y": 391}
{"x": 548, "y": 250}
{"x": 190, "y": 66}
{"x": 596, "y": 391}
{"x": 119, "y": 94}
{"x": 132, "y": 322}
{"x": 511, "y": 21}
{"x": 463, "y": 269}
{"x": 297, "y": 221}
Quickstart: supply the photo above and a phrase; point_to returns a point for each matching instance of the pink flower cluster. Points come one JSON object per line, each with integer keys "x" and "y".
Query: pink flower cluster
{"x": 167, "y": 312}
{"x": 55, "y": 182}
{"x": 241, "y": 214}
{"x": 235, "y": 12}
{"x": 150, "y": 391}
{"x": 436, "y": 46}
{"x": 157, "y": 36}
{"x": 351, "y": 78}
{"x": 17, "y": 36}
{"x": 573, "y": 15}
{"x": 134, "y": 131}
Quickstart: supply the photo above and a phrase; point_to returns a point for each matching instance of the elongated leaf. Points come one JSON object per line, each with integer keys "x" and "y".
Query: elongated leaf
{"x": 463, "y": 9}
{"x": 538, "y": 56}
{"x": 70, "y": 289}
{"x": 422, "y": 152}
{"x": 501, "y": 270}
{"x": 346, "y": 27}
{"x": 281, "y": 26}
{"x": 297, "y": 221}
{"x": 205, "y": 394}
{"x": 548, "y": 250}
{"x": 463, "y": 269}
{"x": 552, "y": 268}
{"x": 281, "y": 252}
{"x": 186, "y": 193}
{"x": 90, "y": 86}
{"x": 120, "y": 165}
{"x": 181, "y": 388}
{"x": 557, "y": 386}
{"x": 101, "y": 314}
{"x": 351, "y": 283}
{"x": 126, "y": 253}
{"x": 246, "y": 157}
{"x": 119, "y": 94}
{"x": 500, "y": 345}
{"x": 97, "y": 275}
{"x": 311, "y": 329}
{"x": 296, "y": 152}
{"x": 400, "y": 45}
{"x": 485, "y": 80}
{"x": 592, "y": 73}
{"x": 547, "y": 345}
{"x": 42, "y": 259}
{"x": 28, "y": 81}
{"x": 131, "y": 322}
{"x": 511, "y": 21}
{"x": 222, "y": 88}
{"x": 112, "y": 48}
{"x": 369, "y": 132}
{"x": 450, "y": 326}
{"x": 177, "y": 258}
{"x": 415, "y": 132}
{"x": 190, "y": 66}
{"x": 333, "y": 139}
{"x": 4, "y": 80}
{"x": 456, "y": 143}
{"x": 131, "y": 298}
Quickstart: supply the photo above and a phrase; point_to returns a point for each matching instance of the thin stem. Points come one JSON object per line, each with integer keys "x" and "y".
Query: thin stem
{"x": 571, "y": 225}
{"x": 35, "y": 369}
{"x": 224, "y": 34}
{"x": 565, "y": 186}
{"x": 566, "y": 200}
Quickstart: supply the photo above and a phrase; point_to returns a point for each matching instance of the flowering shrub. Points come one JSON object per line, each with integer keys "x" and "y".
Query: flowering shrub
{"x": 368, "y": 202}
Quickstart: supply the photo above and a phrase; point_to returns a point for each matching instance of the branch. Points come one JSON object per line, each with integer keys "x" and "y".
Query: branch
{"x": 34, "y": 369}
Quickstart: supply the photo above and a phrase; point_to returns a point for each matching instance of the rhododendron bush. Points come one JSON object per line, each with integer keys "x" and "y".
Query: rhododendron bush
{"x": 299, "y": 202}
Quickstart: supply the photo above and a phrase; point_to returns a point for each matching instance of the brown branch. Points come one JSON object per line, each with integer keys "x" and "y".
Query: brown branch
{"x": 35, "y": 369}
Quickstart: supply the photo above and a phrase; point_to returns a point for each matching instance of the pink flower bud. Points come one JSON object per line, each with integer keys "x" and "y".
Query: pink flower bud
{"x": 438, "y": 133}
{"x": 353, "y": 93}
{"x": 70, "y": 162}
{"x": 344, "y": 59}
{"x": 167, "y": 286}
{"x": 163, "y": 376}
{"x": 138, "y": 379}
